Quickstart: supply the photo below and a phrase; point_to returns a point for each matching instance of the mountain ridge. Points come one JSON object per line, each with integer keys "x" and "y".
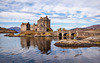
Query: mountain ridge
{"x": 93, "y": 27}
{"x": 15, "y": 28}
{"x": 4, "y": 30}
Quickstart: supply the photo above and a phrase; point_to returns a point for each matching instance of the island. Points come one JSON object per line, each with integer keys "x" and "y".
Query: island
{"x": 43, "y": 29}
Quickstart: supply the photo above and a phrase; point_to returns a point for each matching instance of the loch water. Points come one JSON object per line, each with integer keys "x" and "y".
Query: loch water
{"x": 43, "y": 50}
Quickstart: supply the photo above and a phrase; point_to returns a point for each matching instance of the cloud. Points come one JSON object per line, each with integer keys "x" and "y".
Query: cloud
{"x": 8, "y": 26}
{"x": 17, "y": 17}
{"x": 83, "y": 26}
{"x": 55, "y": 25}
{"x": 95, "y": 20}
{"x": 66, "y": 11}
{"x": 69, "y": 20}
{"x": 69, "y": 27}
{"x": 98, "y": 18}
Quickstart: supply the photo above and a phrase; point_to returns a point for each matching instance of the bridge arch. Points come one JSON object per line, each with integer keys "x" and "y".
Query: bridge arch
{"x": 73, "y": 35}
{"x": 65, "y": 34}
{"x": 60, "y": 34}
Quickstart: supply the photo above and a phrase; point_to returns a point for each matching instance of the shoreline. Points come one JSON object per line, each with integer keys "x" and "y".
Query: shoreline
{"x": 84, "y": 42}
{"x": 76, "y": 43}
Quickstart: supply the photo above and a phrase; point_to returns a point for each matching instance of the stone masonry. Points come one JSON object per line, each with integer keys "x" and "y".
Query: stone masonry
{"x": 42, "y": 25}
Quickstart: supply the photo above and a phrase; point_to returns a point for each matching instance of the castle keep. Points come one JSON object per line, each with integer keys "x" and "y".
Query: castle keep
{"x": 43, "y": 24}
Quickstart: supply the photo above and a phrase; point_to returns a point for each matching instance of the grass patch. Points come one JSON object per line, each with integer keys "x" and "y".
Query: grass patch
{"x": 29, "y": 33}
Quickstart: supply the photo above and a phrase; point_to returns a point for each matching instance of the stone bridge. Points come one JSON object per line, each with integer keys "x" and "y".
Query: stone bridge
{"x": 65, "y": 33}
{"x": 71, "y": 33}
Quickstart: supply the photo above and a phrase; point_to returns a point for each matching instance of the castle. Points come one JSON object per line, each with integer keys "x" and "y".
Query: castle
{"x": 43, "y": 24}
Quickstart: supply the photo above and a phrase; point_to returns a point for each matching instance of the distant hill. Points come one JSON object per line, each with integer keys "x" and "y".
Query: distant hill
{"x": 4, "y": 30}
{"x": 93, "y": 27}
{"x": 79, "y": 29}
{"x": 15, "y": 28}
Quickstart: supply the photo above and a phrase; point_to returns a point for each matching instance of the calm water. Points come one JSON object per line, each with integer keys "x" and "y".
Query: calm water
{"x": 43, "y": 50}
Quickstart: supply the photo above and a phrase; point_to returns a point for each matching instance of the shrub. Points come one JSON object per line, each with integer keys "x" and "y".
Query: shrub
{"x": 49, "y": 30}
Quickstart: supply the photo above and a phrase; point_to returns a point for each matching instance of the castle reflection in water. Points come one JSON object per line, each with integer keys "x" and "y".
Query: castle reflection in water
{"x": 42, "y": 43}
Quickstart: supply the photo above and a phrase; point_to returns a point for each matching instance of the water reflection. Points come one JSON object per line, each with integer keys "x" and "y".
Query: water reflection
{"x": 42, "y": 43}
{"x": 71, "y": 38}
{"x": 27, "y": 50}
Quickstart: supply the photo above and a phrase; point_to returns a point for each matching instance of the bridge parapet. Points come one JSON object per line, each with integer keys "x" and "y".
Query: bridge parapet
{"x": 71, "y": 33}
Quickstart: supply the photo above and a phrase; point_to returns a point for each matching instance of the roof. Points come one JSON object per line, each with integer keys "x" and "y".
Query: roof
{"x": 25, "y": 23}
{"x": 44, "y": 18}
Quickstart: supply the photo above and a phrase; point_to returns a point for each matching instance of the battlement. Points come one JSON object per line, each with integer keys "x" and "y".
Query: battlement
{"x": 44, "y": 18}
{"x": 24, "y": 23}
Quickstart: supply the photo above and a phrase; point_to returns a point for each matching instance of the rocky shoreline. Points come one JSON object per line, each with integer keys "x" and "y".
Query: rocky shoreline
{"x": 77, "y": 43}
{"x": 93, "y": 39}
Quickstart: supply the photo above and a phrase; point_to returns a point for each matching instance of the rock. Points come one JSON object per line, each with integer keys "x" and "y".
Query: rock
{"x": 63, "y": 51}
{"x": 77, "y": 43}
{"x": 55, "y": 56}
{"x": 77, "y": 55}
{"x": 12, "y": 54}
{"x": 93, "y": 39}
{"x": 10, "y": 34}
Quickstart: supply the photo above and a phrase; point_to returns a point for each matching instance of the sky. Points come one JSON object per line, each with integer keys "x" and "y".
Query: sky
{"x": 66, "y": 14}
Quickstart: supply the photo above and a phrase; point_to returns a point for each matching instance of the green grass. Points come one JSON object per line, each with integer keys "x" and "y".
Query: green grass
{"x": 97, "y": 42}
{"x": 28, "y": 33}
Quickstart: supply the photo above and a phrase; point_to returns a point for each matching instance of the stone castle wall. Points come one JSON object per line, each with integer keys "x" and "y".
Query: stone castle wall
{"x": 31, "y": 27}
{"x": 42, "y": 24}
{"x": 23, "y": 28}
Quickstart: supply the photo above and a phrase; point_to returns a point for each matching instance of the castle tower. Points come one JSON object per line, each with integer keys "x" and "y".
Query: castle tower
{"x": 25, "y": 27}
{"x": 43, "y": 24}
{"x": 44, "y": 21}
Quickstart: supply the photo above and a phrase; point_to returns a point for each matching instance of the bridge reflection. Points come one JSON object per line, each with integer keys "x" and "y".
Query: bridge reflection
{"x": 71, "y": 38}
